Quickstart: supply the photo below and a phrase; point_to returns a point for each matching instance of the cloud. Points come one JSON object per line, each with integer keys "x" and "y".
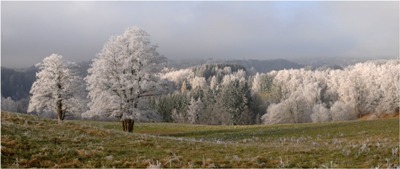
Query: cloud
{"x": 258, "y": 30}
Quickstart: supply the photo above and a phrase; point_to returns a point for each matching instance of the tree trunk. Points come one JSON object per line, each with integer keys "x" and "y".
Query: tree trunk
{"x": 127, "y": 125}
{"x": 60, "y": 113}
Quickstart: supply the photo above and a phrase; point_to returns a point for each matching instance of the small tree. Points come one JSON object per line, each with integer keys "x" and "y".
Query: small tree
{"x": 57, "y": 88}
{"x": 8, "y": 104}
{"x": 123, "y": 72}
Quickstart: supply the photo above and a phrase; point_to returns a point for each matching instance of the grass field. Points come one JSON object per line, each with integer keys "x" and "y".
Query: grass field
{"x": 29, "y": 141}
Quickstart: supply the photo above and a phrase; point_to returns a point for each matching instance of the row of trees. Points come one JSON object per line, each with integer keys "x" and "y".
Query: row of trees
{"x": 286, "y": 96}
{"x": 127, "y": 79}
{"x": 124, "y": 72}
{"x": 8, "y": 104}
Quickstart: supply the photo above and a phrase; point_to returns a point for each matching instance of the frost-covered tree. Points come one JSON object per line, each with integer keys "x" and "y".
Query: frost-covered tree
{"x": 256, "y": 85}
{"x": 194, "y": 110}
{"x": 198, "y": 82}
{"x": 369, "y": 88}
{"x": 57, "y": 88}
{"x": 178, "y": 117}
{"x": 177, "y": 76}
{"x": 213, "y": 83}
{"x": 342, "y": 111}
{"x": 388, "y": 78}
{"x": 262, "y": 83}
{"x": 320, "y": 114}
{"x": 234, "y": 99}
{"x": 122, "y": 73}
{"x": 278, "y": 113}
{"x": 239, "y": 76}
{"x": 20, "y": 106}
{"x": 8, "y": 104}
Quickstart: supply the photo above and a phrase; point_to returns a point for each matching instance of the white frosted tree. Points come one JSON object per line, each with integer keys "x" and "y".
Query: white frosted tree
{"x": 213, "y": 83}
{"x": 278, "y": 113}
{"x": 194, "y": 109}
{"x": 320, "y": 114}
{"x": 198, "y": 82}
{"x": 8, "y": 104}
{"x": 389, "y": 84}
{"x": 121, "y": 74}
{"x": 342, "y": 111}
{"x": 234, "y": 98}
{"x": 177, "y": 117}
{"x": 178, "y": 76}
{"x": 256, "y": 84}
{"x": 57, "y": 88}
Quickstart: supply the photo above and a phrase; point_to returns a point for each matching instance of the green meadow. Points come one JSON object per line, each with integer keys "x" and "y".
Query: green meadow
{"x": 30, "y": 141}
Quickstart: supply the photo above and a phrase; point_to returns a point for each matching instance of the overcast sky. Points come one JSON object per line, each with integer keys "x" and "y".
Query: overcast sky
{"x": 222, "y": 30}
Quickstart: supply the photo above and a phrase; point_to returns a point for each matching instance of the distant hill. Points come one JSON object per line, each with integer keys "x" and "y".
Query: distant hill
{"x": 17, "y": 83}
{"x": 334, "y": 62}
{"x": 250, "y": 65}
{"x": 266, "y": 65}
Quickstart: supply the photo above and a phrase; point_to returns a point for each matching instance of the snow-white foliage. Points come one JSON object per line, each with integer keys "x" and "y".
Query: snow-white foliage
{"x": 8, "y": 104}
{"x": 58, "y": 88}
{"x": 194, "y": 109}
{"x": 177, "y": 76}
{"x": 320, "y": 114}
{"x": 256, "y": 84}
{"x": 324, "y": 95}
{"x": 342, "y": 111}
{"x": 239, "y": 75}
{"x": 227, "y": 70}
{"x": 213, "y": 83}
{"x": 262, "y": 82}
{"x": 278, "y": 113}
{"x": 198, "y": 82}
{"x": 123, "y": 72}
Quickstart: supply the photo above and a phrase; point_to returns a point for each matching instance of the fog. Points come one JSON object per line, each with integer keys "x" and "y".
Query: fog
{"x": 31, "y": 31}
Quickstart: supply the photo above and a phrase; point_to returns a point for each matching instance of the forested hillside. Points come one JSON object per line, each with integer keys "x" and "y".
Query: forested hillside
{"x": 228, "y": 94}
{"x": 253, "y": 65}
{"x": 231, "y": 96}
{"x": 264, "y": 66}
{"x": 16, "y": 84}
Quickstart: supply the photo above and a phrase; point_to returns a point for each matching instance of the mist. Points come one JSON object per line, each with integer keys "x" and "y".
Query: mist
{"x": 32, "y": 31}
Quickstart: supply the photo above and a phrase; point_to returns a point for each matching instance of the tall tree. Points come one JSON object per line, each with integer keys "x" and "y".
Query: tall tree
{"x": 122, "y": 73}
{"x": 57, "y": 88}
{"x": 194, "y": 110}
{"x": 234, "y": 99}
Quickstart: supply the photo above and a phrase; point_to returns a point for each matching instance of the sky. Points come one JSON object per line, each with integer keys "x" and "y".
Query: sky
{"x": 31, "y": 31}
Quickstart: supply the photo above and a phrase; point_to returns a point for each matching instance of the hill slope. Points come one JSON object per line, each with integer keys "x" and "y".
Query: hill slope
{"x": 28, "y": 141}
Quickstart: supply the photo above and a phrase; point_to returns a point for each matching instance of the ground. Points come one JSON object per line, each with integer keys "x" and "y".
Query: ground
{"x": 29, "y": 141}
